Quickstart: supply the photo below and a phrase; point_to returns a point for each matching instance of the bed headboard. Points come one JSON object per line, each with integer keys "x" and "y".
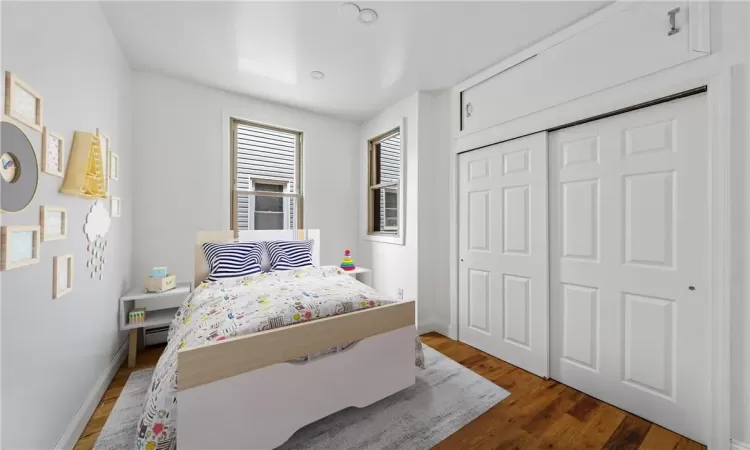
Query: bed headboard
{"x": 201, "y": 267}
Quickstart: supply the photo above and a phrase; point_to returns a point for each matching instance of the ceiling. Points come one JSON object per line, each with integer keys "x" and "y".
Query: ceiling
{"x": 268, "y": 49}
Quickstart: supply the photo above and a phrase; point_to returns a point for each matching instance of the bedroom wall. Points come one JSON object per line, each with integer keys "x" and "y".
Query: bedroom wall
{"x": 54, "y": 352}
{"x": 181, "y": 148}
{"x": 420, "y": 266}
{"x": 741, "y": 263}
{"x": 393, "y": 266}
{"x": 434, "y": 190}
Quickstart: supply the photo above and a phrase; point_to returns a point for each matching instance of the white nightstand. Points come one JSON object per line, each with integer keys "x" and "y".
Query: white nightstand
{"x": 160, "y": 310}
{"x": 362, "y": 274}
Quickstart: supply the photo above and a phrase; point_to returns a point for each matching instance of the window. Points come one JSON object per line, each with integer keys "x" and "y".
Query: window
{"x": 266, "y": 187}
{"x": 383, "y": 184}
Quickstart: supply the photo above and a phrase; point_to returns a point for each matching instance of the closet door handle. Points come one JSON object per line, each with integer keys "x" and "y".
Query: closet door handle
{"x": 469, "y": 109}
{"x": 673, "y": 29}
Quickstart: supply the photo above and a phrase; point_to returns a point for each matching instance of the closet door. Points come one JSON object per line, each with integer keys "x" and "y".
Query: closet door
{"x": 503, "y": 277}
{"x": 629, "y": 258}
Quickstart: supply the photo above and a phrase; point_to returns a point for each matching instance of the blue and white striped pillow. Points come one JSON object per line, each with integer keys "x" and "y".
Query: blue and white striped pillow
{"x": 285, "y": 255}
{"x": 233, "y": 259}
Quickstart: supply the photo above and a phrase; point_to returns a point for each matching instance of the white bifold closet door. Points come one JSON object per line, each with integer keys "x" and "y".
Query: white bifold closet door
{"x": 503, "y": 277}
{"x": 629, "y": 262}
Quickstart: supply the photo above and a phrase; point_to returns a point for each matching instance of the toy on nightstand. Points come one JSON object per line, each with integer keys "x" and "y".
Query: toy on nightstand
{"x": 347, "y": 263}
{"x": 160, "y": 281}
{"x": 137, "y": 315}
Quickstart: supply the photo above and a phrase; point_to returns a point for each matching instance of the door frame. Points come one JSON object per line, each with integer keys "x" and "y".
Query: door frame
{"x": 721, "y": 104}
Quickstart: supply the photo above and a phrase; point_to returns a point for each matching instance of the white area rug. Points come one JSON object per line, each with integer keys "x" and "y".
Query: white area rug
{"x": 445, "y": 397}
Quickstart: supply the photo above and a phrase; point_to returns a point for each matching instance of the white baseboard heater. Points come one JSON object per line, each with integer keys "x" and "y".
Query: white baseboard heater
{"x": 156, "y": 335}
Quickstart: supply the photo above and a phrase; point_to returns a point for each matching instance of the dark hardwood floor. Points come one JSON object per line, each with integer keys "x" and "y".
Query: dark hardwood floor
{"x": 544, "y": 414}
{"x": 539, "y": 414}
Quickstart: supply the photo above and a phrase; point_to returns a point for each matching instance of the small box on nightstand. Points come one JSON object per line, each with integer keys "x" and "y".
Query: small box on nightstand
{"x": 160, "y": 285}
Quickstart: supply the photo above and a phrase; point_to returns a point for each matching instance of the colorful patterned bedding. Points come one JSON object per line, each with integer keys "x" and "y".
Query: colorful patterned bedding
{"x": 217, "y": 310}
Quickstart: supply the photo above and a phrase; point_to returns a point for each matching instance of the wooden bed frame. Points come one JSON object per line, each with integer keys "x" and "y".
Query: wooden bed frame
{"x": 248, "y": 392}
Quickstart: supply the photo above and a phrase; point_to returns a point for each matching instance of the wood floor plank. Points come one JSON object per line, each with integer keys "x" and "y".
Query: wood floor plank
{"x": 86, "y": 443}
{"x": 687, "y": 444}
{"x": 629, "y": 435}
{"x": 561, "y": 433}
{"x": 539, "y": 414}
{"x": 584, "y": 408}
{"x": 659, "y": 438}
{"x": 553, "y": 411}
{"x": 600, "y": 425}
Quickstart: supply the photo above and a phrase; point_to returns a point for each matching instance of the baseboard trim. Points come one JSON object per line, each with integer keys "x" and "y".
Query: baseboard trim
{"x": 429, "y": 327}
{"x": 69, "y": 438}
{"x": 737, "y": 445}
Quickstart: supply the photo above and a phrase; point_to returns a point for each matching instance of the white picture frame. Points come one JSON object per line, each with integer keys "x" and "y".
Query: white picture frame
{"x": 19, "y": 246}
{"x": 62, "y": 275}
{"x": 22, "y": 102}
{"x": 115, "y": 206}
{"x": 114, "y": 166}
{"x": 53, "y": 223}
{"x": 53, "y": 153}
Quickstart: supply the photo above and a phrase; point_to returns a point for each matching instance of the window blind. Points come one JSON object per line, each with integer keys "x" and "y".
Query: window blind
{"x": 262, "y": 155}
{"x": 390, "y": 170}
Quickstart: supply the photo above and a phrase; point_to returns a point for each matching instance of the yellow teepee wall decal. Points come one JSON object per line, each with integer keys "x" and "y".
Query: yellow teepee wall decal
{"x": 85, "y": 175}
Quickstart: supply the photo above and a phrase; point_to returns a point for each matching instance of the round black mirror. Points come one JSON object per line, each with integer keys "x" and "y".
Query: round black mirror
{"x": 19, "y": 170}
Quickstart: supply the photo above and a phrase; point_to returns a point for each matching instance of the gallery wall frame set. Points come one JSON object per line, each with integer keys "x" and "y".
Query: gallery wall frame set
{"x": 91, "y": 165}
{"x": 19, "y": 246}
{"x": 22, "y": 102}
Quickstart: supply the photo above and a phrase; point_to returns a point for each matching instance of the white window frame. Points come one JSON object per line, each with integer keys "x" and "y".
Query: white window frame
{"x": 398, "y": 238}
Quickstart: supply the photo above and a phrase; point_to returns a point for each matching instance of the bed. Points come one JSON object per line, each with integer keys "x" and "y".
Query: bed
{"x": 261, "y": 356}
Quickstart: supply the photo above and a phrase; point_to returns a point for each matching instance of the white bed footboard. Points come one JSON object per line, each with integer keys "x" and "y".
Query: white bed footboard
{"x": 243, "y": 393}
{"x": 262, "y": 408}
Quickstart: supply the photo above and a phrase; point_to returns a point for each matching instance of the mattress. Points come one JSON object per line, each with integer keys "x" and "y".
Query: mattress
{"x": 219, "y": 310}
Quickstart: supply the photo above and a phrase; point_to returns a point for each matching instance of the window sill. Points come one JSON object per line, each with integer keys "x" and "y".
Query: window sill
{"x": 385, "y": 239}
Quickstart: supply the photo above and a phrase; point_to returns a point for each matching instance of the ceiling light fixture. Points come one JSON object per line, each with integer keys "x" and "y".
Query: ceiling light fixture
{"x": 317, "y": 75}
{"x": 350, "y": 10}
{"x": 368, "y": 16}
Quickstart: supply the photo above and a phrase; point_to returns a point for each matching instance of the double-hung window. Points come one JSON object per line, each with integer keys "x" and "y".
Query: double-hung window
{"x": 384, "y": 181}
{"x": 266, "y": 178}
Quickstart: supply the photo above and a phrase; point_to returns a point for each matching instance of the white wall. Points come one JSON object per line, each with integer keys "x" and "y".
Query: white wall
{"x": 54, "y": 351}
{"x": 419, "y": 266}
{"x": 393, "y": 266}
{"x": 741, "y": 261}
{"x": 181, "y": 148}
{"x": 434, "y": 225}
{"x": 730, "y": 48}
